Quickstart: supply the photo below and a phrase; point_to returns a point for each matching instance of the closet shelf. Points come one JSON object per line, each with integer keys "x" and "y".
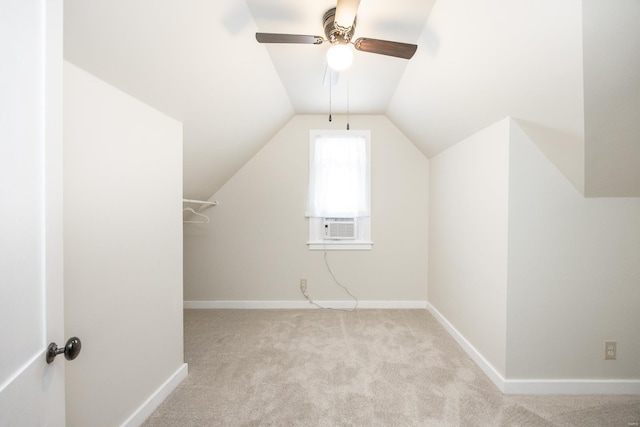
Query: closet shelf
{"x": 202, "y": 202}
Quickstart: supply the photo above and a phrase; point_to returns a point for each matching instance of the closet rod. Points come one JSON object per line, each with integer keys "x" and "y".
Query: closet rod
{"x": 215, "y": 203}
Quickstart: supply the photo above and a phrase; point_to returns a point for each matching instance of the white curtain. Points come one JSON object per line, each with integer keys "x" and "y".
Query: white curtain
{"x": 338, "y": 177}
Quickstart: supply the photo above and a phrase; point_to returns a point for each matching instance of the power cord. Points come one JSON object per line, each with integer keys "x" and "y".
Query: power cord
{"x": 303, "y": 289}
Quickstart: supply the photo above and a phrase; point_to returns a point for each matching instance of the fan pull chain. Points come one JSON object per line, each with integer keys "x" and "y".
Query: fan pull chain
{"x": 330, "y": 84}
{"x": 348, "y": 90}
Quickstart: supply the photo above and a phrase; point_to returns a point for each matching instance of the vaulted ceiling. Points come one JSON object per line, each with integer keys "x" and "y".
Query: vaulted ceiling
{"x": 477, "y": 61}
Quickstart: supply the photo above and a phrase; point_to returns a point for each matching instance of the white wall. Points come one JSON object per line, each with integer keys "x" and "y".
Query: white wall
{"x": 255, "y": 248}
{"x": 573, "y": 275}
{"x": 612, "y": 97}
{"x": 533, "y": 275}
{"x": 123, "y": 249}
{"x": 468, "y": 199}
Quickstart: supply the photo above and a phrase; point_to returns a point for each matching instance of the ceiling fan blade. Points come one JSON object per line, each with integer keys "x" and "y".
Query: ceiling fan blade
{"x": 384, "y": 47}
{"x": 346, "y": 11}
{"x": 288, "y": 38}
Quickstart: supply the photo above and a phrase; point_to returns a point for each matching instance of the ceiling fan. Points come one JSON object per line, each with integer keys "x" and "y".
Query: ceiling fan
{"x": 339, "y": 25}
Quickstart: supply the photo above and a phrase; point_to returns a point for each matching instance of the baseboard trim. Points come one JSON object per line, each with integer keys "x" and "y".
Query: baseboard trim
{"x": 475, "y": 355}
{"x": 536, "y": 386}
{"x": 146, "y": 409}
{"x": 575, "y": 387}
{"x": 303, "y": 304}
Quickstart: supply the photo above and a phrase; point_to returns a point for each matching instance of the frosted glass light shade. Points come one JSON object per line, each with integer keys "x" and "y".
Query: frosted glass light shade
{"x": 339, "y": 57}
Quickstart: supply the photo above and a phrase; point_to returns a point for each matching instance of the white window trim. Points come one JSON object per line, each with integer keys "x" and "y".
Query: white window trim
{"x": 364, "y": 241}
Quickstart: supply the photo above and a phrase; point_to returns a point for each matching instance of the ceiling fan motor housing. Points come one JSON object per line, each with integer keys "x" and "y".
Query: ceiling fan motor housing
{"x": 335, "y": 33}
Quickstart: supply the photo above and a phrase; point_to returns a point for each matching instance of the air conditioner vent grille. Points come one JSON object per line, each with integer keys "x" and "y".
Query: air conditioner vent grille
{"x": 339, "y": 228}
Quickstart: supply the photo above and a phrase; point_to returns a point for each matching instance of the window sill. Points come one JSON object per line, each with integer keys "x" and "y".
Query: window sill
{"x": 340, "y": 245}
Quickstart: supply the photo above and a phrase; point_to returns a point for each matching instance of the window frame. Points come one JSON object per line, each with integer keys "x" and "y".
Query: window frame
{"x": 363, "y": 239}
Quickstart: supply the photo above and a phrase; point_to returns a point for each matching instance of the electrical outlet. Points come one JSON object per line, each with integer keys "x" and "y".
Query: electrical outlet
{"x": 610, "y": 348}
{"x": 303, "y": 285}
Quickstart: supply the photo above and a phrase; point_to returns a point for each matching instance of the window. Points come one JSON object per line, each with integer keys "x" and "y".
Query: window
{"x": 339, "y": 194}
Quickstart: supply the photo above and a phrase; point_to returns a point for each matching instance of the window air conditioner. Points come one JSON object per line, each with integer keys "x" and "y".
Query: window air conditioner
{"x": 339, "y": 228}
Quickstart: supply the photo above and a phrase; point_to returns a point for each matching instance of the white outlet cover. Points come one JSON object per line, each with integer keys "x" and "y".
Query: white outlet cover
{"x": 610, "y": 350}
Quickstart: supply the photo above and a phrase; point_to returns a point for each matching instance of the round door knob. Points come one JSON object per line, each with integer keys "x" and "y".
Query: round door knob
{"x": 71, "y": 349}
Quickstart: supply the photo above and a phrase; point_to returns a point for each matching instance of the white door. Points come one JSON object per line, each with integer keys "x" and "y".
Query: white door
{"x": 31, "y": 297}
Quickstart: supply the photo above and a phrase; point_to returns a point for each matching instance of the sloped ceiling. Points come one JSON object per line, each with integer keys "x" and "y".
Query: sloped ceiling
{"x": 477, "y": 62}
{"x": 198, "y": 62}
{"x": 195, "y": 60}
{"x": 483, "y": 61}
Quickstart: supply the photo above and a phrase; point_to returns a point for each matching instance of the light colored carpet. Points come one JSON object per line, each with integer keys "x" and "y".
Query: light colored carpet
{"x": 362, "y": 368}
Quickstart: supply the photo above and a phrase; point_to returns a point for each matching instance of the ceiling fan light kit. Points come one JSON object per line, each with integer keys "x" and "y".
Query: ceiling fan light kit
{"x": 339, "y": 26}
{"x": 339, "y": 57}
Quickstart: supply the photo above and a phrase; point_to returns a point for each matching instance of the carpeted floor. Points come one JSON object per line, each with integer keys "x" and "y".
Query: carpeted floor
{"x": 362, "y": 368}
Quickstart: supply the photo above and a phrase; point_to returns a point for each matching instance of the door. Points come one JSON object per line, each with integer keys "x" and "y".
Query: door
{"x": 31, "y": 316}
